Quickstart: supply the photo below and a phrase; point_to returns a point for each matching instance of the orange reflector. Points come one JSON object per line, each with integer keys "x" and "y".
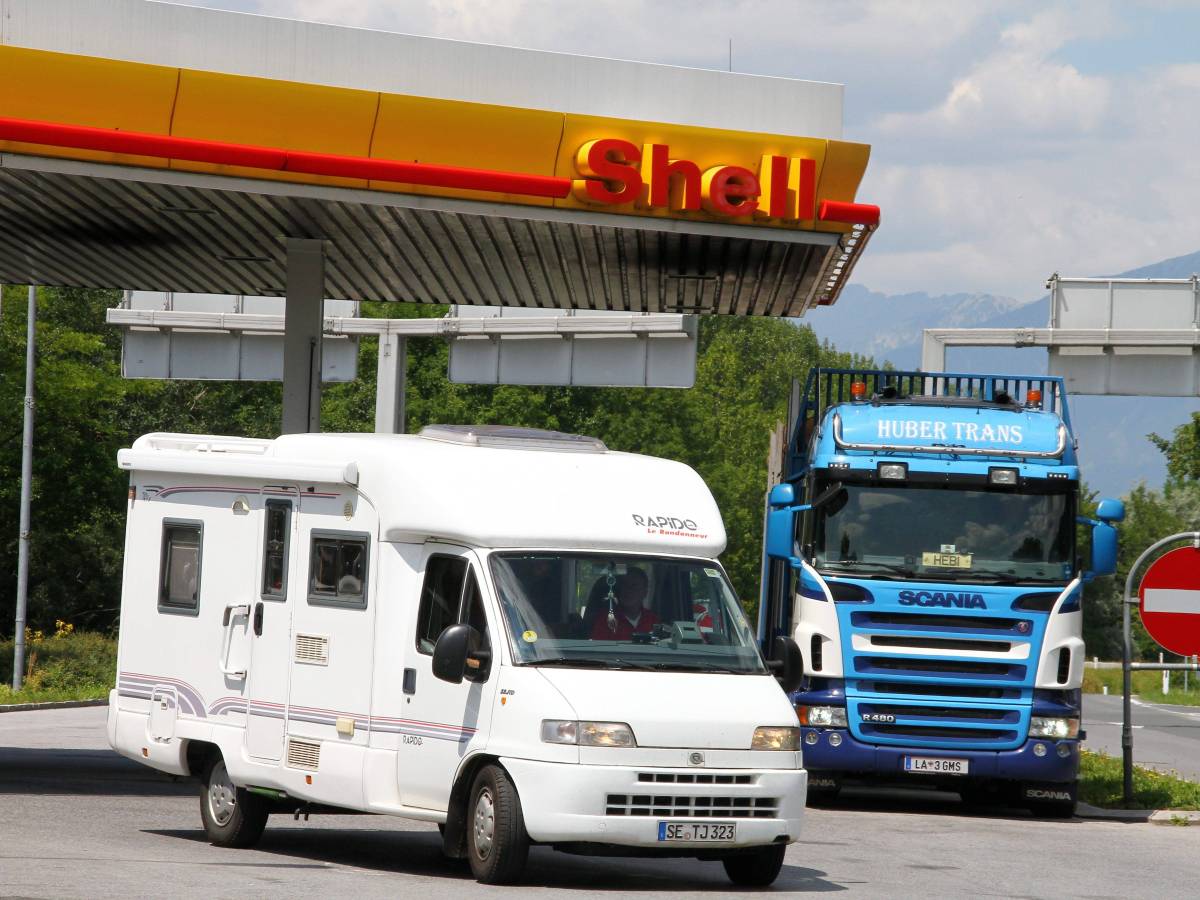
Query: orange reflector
{"x": 1033, "y": 397}
{"x": 145, "y": 752}
{"x": 308, "y": 779}
{"x": 858, "y": 390}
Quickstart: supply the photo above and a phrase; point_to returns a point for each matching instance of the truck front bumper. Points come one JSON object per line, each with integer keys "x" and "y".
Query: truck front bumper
{"x": 575, "y": 803}
{"x": 1059, "y": 762}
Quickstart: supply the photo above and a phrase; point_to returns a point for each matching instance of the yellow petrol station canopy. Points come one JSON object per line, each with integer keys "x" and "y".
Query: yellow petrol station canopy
{"x": 127, "y": 174}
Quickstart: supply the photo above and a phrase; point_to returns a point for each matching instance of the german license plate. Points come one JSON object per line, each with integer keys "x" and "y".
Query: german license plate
{"x": 936, "y": 765}
{"x": 703, "y": 832}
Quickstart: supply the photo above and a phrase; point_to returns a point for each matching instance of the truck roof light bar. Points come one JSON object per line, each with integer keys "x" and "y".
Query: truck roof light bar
{"x": 949, "y": 449}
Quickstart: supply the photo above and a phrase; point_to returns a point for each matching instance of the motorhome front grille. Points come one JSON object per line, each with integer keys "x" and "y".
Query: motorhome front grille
{"x": 694, "y": 778}
{"x": 312, "y": 648}
{"x": 303, "y": 754}
{"x": 692, "y": 807}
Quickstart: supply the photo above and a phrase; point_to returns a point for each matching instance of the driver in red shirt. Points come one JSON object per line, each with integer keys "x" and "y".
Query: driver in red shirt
{"x": 631, "y": 615}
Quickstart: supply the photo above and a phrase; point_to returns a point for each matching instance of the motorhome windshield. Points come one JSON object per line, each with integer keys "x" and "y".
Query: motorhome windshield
{"x": 623, "y": 612}
{"x": 947, "y": 534}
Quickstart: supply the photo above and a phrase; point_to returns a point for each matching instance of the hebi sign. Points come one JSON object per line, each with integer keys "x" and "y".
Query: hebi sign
{"x": 615, "y": 172}
{"x": 1169, "y": 600}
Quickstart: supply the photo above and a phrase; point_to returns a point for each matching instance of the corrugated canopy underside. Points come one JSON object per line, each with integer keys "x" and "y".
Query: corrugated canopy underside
{"x": 92, "y": 225}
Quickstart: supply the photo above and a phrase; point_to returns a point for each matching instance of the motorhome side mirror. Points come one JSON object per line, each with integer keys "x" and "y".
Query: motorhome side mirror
{"x": 1104, "y": 549}
{"x": 1111, "y": 511}
{"x": 787, "y": 664}
{"x": 450, "y": 653}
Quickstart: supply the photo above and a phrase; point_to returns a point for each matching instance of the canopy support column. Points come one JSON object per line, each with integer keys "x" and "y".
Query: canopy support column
{"x": 389, "y": 385}
{"x": 302, "y": 338}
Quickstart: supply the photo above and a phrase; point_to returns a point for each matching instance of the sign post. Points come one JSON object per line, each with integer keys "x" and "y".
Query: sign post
{"x": 1169, "y": 601}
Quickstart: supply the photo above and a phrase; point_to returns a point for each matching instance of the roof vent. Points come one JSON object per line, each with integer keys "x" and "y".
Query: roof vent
{"x": 512, "y": 438}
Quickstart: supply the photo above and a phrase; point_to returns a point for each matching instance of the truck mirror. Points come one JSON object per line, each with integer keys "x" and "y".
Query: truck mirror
{"x": 782, "y": 495}
{"x": 787, "y": 664}
{"x": 1104, "y": 549}
{"x": 1111, "y": 511}
{"x": 451, "y": 651}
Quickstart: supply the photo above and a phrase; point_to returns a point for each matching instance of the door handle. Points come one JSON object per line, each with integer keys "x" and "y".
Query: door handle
{"x": 231, "y": 612}
{"x": 258, "y": 619}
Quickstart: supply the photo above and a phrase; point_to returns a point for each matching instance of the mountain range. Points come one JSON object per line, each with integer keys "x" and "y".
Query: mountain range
{"x": 1115, "y": 453}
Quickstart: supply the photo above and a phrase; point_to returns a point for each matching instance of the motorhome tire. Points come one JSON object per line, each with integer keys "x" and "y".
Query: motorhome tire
{"x": 497, "y": 843}
{"x": 755, "y": 868}
{"x": 232, "y": 816}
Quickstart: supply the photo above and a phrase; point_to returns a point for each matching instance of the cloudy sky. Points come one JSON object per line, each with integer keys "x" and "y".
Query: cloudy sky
{"x": 1010, "y": 139}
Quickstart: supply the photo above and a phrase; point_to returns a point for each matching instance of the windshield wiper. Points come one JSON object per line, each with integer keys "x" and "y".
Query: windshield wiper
{"x": 851, "y": 565}
{"x": 589, "y": 662}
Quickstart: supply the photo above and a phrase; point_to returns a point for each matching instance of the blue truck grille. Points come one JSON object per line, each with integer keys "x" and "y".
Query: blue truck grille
{"x": 926, "y": 679}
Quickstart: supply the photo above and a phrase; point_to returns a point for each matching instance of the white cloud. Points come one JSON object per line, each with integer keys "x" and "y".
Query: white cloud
{"x": 1019, "y": 89}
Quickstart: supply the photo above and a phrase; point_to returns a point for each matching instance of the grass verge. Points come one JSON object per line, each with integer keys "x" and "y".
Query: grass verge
{"x": 1147, "y": 685}
{"x": 1101, "y": 781}
{"x": 67, "y": 665}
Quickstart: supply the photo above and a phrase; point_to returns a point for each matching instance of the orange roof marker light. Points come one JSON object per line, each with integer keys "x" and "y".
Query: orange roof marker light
{"x": 1033, "y": 398}
{"x": 858, "y": 390}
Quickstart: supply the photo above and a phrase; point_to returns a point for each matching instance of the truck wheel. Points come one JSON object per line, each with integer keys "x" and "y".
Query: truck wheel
{"x": 755, "y": 868}
{"x": 232, "y": 816}
{"x": 497, "y": 843}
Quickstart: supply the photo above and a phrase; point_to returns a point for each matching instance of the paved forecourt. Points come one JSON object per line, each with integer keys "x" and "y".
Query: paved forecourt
{"x": 79, "y": 822}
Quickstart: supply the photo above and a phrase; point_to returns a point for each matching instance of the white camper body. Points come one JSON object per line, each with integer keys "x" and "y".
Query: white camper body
{"x": 283, "y": 600}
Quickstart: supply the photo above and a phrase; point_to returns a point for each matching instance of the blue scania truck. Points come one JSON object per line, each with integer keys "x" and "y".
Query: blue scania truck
{"x": 921, "y": 550}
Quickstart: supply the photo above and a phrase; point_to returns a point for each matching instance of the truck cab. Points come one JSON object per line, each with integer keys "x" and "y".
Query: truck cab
{"x": 921, "y": 550}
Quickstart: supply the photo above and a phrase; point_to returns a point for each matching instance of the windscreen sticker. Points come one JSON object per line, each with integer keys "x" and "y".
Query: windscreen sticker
{"x": 529, "y": 636}
{"x": 946, "y": 560}
{"x": 712, "y": 573}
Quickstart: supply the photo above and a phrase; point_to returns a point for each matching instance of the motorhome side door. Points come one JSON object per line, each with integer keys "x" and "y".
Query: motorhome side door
{"x": 271, "y": 628}
{"x": 444, "y": 721}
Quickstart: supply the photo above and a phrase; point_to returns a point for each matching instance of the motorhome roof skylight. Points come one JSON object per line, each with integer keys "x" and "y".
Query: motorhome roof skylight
{"x": 512, "y": 438}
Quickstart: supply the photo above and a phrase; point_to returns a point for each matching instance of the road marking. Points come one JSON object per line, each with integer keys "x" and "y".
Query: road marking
{"x": 1162, "y": 708}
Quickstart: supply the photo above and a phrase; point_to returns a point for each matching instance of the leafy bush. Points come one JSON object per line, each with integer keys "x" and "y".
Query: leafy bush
{"x": 64, "y": 665}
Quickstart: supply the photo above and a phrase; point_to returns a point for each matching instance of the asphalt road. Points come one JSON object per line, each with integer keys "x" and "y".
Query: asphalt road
{"x": 78, "y": 822}
{"x": 1166, "y": 738}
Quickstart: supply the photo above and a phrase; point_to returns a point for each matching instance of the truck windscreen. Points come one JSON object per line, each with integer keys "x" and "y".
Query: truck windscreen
{"x": 623, "y": 612}
{"x": 948, "y": 534}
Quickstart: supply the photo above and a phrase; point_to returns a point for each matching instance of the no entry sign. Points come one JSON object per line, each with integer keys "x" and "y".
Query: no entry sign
{"x": 1169, "y": 600}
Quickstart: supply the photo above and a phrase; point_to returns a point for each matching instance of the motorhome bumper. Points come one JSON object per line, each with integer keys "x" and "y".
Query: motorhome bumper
{"x": 1057, "y": 761}
{"x": 566, "y": 803}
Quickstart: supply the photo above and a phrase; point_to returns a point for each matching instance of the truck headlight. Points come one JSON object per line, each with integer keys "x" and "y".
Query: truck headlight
{"x": 822, "y": 716}
{"x": 587, "y": 734}
{"x": 774, "y": 737}
{"x": 1055, "y": 728}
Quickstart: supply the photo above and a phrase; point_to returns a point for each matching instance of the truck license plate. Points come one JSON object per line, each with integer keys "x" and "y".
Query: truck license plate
{"x": 936, "y": 765}
{"x": 704, "y": 832}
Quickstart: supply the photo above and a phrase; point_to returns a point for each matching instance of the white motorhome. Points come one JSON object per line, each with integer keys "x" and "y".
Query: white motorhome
{"x": 519, "y": 635}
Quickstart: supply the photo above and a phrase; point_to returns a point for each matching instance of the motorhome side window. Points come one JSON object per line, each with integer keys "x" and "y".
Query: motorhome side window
{"x": 450, "y": 594}
{"x": 337, "y": 572}
{"x": 179, "y": 570}
{"x": 276, "y": 531}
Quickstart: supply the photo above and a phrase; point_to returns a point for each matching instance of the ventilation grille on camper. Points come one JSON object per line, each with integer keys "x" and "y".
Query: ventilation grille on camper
{"x": 303, "y": 754}
{"x": 312, "y": 648}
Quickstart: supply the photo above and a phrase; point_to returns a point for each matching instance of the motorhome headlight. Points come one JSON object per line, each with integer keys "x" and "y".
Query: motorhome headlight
{"x": 1056, "y": 728}
{"x": 775, "y": 737}
{"x": 587, "y": 734}
{"x": 822, "y": 716}
{"x": 1006, "y": 477}
{"x": 893, "y": 471}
